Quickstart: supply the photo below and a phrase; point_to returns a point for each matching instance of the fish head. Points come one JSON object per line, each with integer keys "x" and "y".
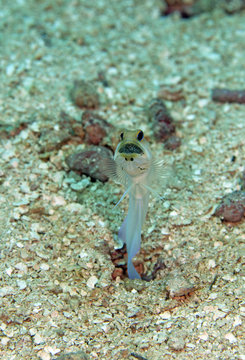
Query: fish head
{"x": 132, "y": 153}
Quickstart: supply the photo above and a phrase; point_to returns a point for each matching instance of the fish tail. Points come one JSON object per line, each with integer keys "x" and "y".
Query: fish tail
{"x": 132, "y": 226}
{"x": 122, "y": 230}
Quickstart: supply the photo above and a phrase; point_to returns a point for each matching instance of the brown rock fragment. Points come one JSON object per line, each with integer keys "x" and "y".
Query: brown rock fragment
{"x": 189, "y": 8}
{"x": 89, "y": 162}
{"x": 95, "y": 127}
{"x": 178, "y": 286}
{"x": 186, "y": 9}
{"x": 161, "y": 120}
{"x": 117, "y": 272}
{"x": 94, "y": 134}
{"x": 228, "y": 96}
{"x": 84, "y": 95}
{"x": 170, "y": 94}
{"x": 232, "y": 207}
{"x": 172, "y": 143}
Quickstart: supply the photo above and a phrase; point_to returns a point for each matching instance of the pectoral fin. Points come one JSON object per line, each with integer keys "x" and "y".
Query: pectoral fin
{"x": 113, "y": 170}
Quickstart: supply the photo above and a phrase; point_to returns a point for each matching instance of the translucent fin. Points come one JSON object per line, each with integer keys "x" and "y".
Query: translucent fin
{"x": 159, "y": 175}
{"x": 160, "y": 170}
{"x": 113, "y": 170}
{"x": 125, "y": 193}
{"x": 153, "y": 191}
{"x": 122, "y": 230}
{"x": 109, "y": 168}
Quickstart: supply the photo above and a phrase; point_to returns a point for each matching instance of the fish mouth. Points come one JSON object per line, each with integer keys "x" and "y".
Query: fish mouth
{"x": 130, "y": 149}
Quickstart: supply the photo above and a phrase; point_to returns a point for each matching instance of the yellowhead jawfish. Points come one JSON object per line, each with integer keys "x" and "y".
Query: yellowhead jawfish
{"x": 134, "y": 166}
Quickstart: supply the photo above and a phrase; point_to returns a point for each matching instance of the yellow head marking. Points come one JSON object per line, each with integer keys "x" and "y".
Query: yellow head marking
{"x": 130, "y": 146}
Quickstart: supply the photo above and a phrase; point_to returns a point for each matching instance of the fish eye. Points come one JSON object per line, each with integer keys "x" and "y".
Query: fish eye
{"x": 140, "y": 135}
{"x": 121, "y": 136}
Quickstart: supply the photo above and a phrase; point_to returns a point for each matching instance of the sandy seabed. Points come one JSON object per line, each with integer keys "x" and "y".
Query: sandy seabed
{"x": 57, "y": 294}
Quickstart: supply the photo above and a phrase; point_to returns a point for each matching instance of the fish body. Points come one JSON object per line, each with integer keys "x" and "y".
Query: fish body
{"x": 134, "y": 166}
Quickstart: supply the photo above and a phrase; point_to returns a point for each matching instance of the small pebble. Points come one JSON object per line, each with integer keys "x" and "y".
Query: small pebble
{"x": 177, "y": 285}
{"x": 231, "y": 338}
{"x": 166, "y": 315}
{"x": 237, "y": 321}
{"x": 75, "y": 208}
{"x": 10, "y": 69}
{"x": 79, "y": 355}
{"x": 58, "y": 200}
{"x": 81, "y": 185}
{"x": 89, "y": 162}
{"x": 22, "y": 267}
{"x": 21, "y": 284}
{"x": 7, "y": 155}
{"x": 132, "y": 311}
{"x": 67, "y": 314}
{"x": 38, "y": 339}
{"x": 84, "y": 95}
{"x": 92, "y": 281}
{"x": 5, "y": 340}
{"x": 211, "y": 264}
{"x": 204, "y": 336}
{"x": 44, "y": 267}
{"x": 232, "y": 207}
{"x": 7, "y": 290}
{"x": 9, "y": 271}
{"x": 32, "y": 331}
{"x": 24, "y": 188}
{"x": 176, "y": 341}
{"x": 43, "y": 355}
